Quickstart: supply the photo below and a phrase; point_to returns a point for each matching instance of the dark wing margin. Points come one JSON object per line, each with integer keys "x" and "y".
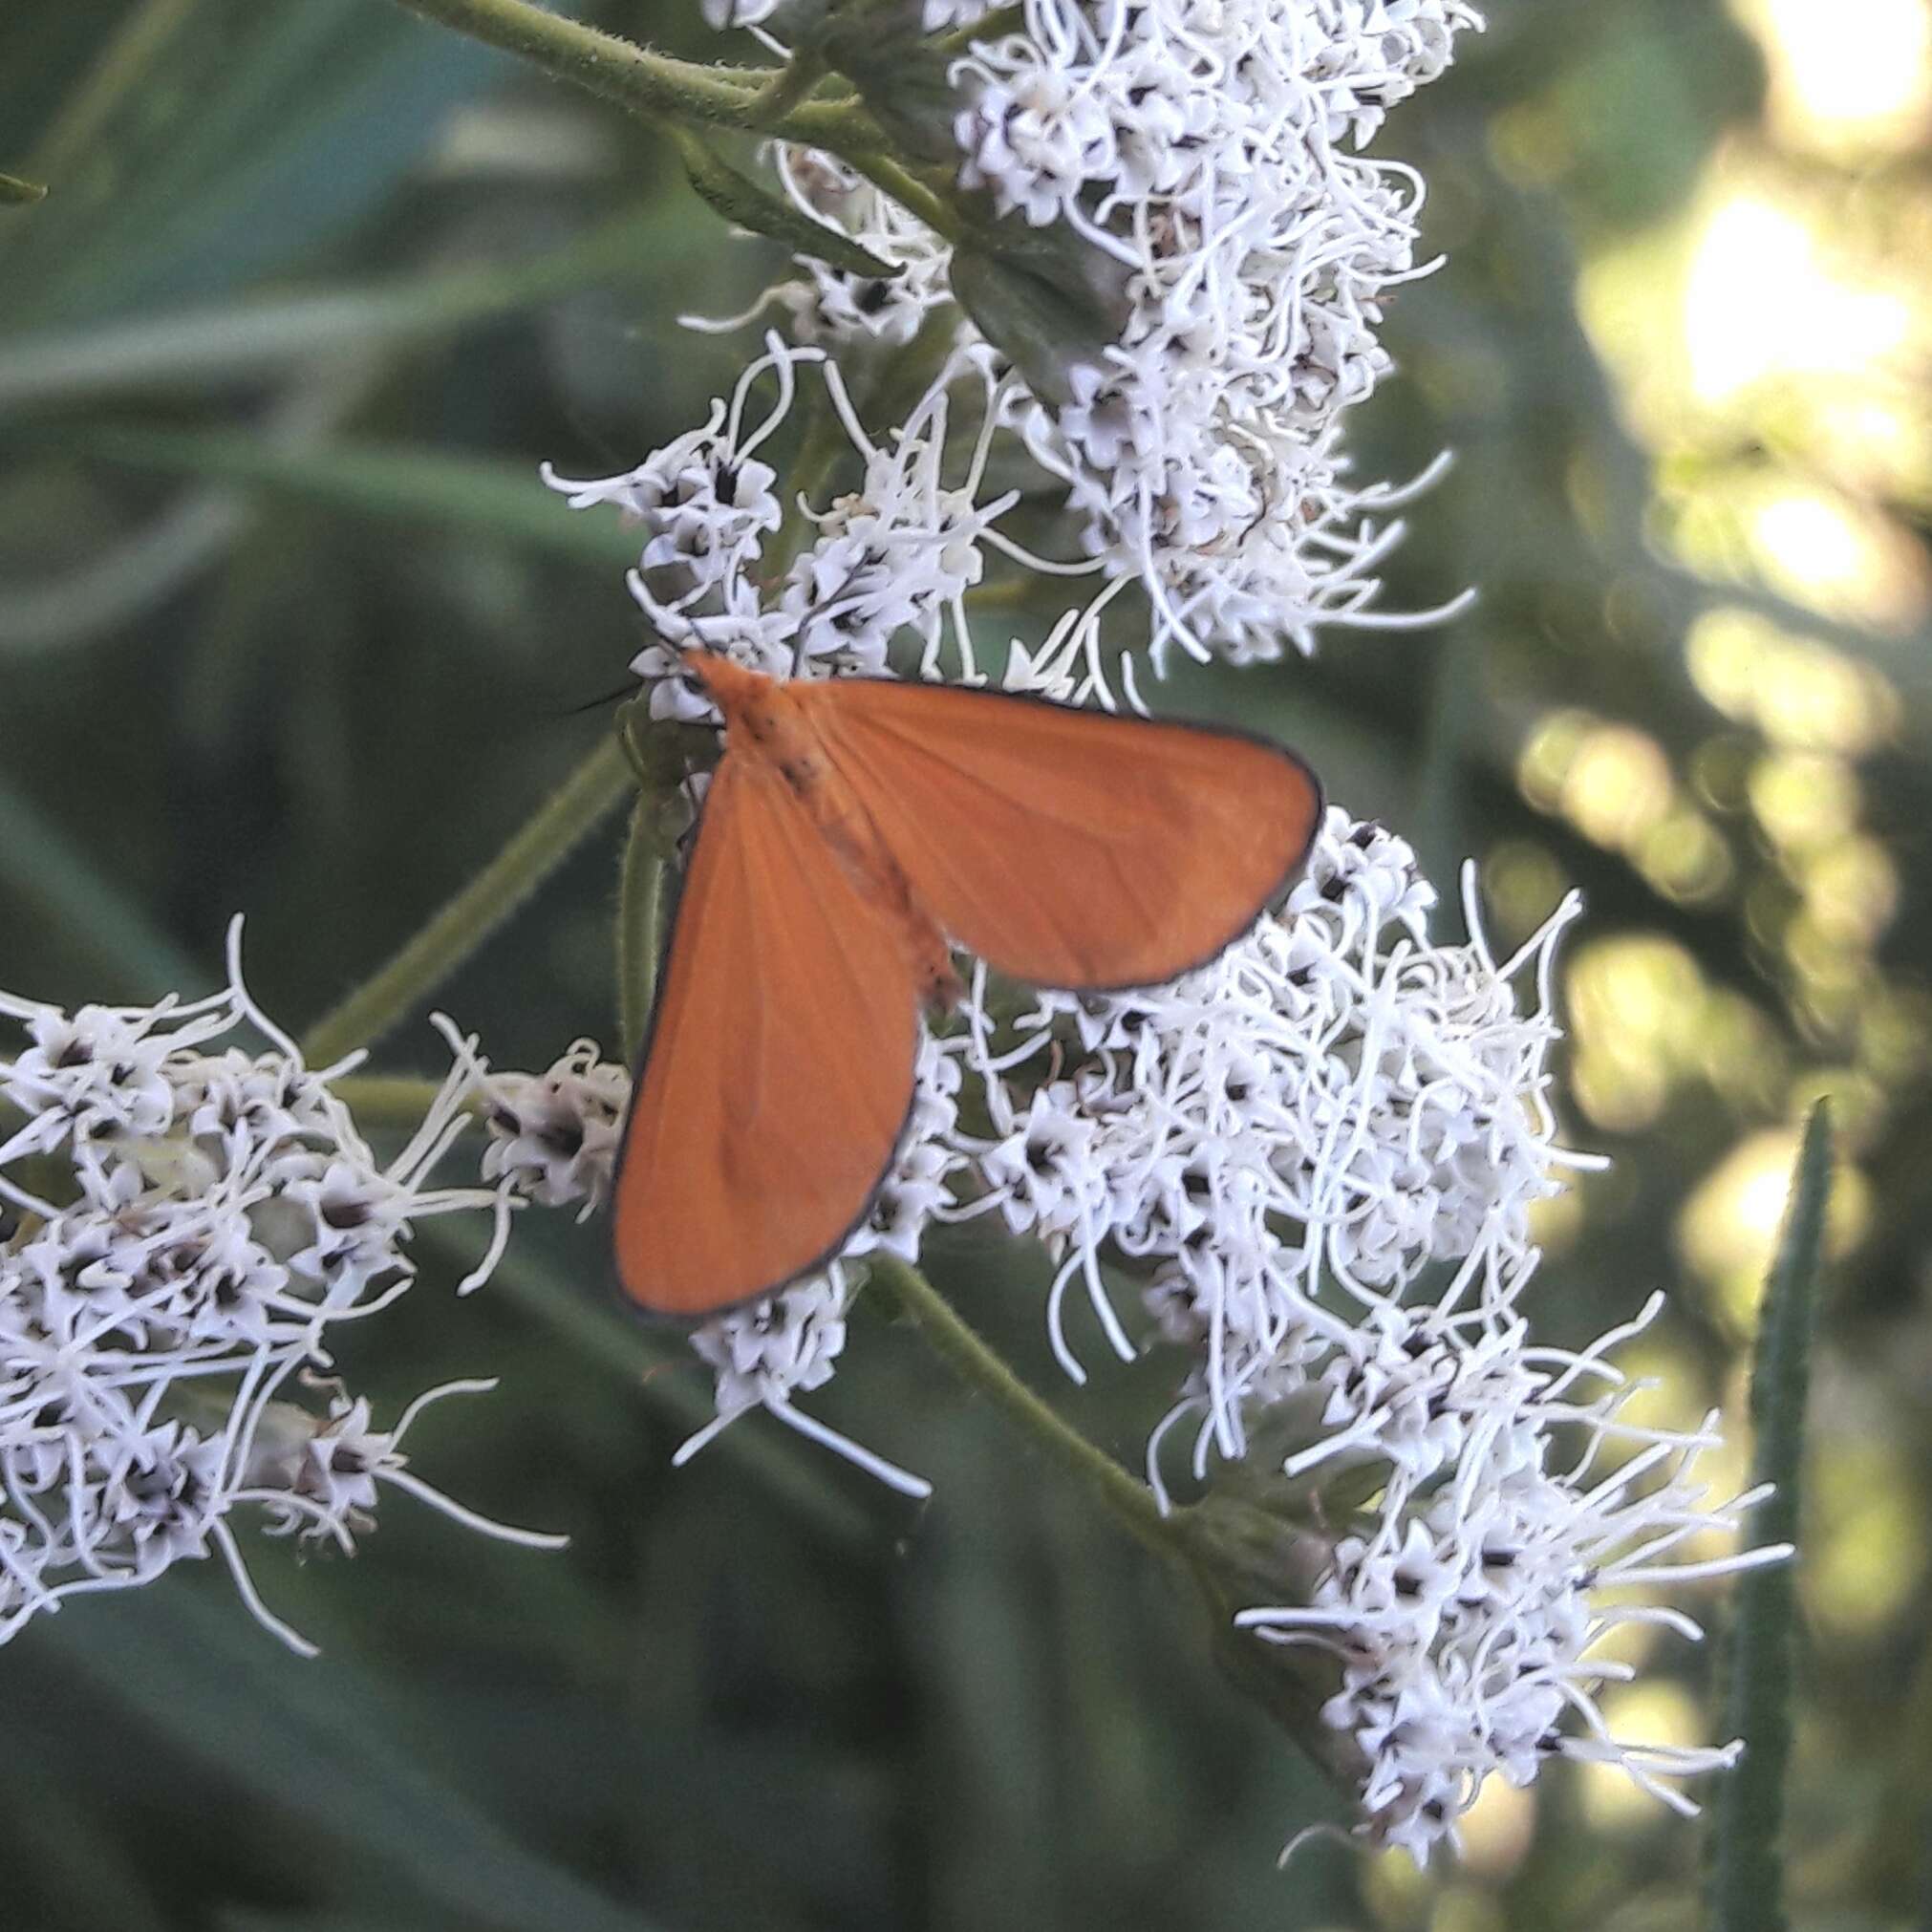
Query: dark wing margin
{"x": 778, "y": 1075}
{"x": 1073, "y": 848}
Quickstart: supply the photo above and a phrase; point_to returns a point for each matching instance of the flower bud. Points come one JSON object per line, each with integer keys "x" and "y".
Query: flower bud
{"x": 1241, "y": 1553}
{"x": 1051, "y": 302}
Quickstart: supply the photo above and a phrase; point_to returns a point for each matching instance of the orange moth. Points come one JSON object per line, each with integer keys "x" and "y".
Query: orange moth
{"x": 854, "y": 830}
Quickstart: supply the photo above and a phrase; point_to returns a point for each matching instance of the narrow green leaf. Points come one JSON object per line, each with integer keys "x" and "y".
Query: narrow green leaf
{"x": 743, "y": 200}
{"x": 95, "y": 1875}
{"x": 1745, "y": 1858}
{"x": 13, "y": 189}
{"x": 1050, "y": 300}
{"x": 479, "y": 495}
{"x": 186, "y": 185}
{"x": 244, "y": 340}
{"x": 48, "y": 882}
{"x": 215, "y": 1686}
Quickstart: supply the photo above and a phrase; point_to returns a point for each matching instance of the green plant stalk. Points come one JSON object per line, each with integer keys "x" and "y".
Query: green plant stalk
{"x": 981, "y": 1370}
{"x": 996, "y": 26}
{"x": 112, "y": 85}
{"x": 908, "y": 191}
{"x": 13, "y": 189}
{"x": 597, "y": 785}
{"x": 786, "y": 88}
{"x": 1746, "y": 1871}
{"x": 393, "y": 1103}
{"x": 636, "y": 79}
{"x": 640, "y": 913}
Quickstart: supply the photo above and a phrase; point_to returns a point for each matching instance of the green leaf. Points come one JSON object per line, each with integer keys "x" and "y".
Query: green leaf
{"x": 245, "y": 340}
{"x": 96, "y": 1878}
{"x": 1745, "y": 1858}
{"x": 214, "y": 1686}
{"x": 902, "y": 75}
{"x": 478, "y": 496}
{"x": 1049, "y": 299}
{"x": 750, "y": 204}
{"x": 171, "y": 184}
{"x": 49, "y": 883}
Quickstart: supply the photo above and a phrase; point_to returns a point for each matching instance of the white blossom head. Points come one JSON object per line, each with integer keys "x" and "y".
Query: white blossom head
{"x": 187, "y": 1220}
{"x": 889, "y": 560}
{"x": 1282, "y": 1142}
{"x": 1455, "y": 1621}
{"x": 1213, "y": 154}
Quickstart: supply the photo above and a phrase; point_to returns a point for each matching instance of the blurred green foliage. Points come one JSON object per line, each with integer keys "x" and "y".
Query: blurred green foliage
{"x": 288, "y": 626}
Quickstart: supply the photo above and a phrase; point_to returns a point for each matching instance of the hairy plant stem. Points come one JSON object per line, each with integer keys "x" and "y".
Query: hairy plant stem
{"x": 980, "y": 1368}
{"x": 641, "y": 917}
{"x": 906, "y": 188}
{"x": 786, "y": 88}
{"x": 996, "y": 26}
{"x": 546, "y": 839}
{"x": 393, "y": 1103}
{"x": 649, "y": 83}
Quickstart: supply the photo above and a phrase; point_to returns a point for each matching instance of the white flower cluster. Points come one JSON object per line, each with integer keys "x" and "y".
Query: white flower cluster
{"x": 1463, "y": 1611}
{"x": 1331, "y": 1106}
{"x": 1203, "y": 147}
{"x": 835, "y": 306}
{"x": 180, "y": 1228}
{"x": 897, "y": 554}
{"x": 1212, "y": 148}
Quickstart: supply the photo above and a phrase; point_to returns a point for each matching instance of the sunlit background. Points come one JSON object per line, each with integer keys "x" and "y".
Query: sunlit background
{"x": 280, "y": 354}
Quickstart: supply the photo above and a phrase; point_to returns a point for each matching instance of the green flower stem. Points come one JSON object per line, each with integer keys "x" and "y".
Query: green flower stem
{"x": 977, "y": 1365}
{"x": 596, "y": 786}
{"x": 996, "y": 26}
{"x": 640, "y": 913}
{"x": 392, "y": 1103}
{"x": 788, "y": 85}
{"x": 13, "y": 189}
{"x": 908, "y": 191}
{"x": 634, "y": 78}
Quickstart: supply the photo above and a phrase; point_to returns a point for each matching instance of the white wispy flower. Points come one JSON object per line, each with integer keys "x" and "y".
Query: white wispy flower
{"x": 837, "y": 307}
{"x": 1202, "y": 148}
{"x": 1332, "y": 1105}
{"x": 1461, "y": 1613}
{"x": 765, "y": 1353}
{"x": 182, "y": 1227}
{"x": 893, "y": 558}
{"x": 553, "y": 1135}
{"x": 553, "y": 1139}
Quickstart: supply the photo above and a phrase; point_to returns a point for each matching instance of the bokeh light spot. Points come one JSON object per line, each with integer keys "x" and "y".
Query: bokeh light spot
{"x": 1866, "y": 1534}
{"x": 1847, "y": 75}
{"x": 1729, "y": 1227}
